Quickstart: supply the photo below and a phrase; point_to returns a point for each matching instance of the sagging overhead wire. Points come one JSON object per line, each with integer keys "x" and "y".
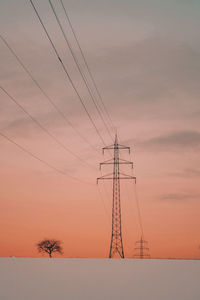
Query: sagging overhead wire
{"x": 138, "y": 208}
{"x": 41, "y": 160}
{"x": 139, "y": 211}
{"x": 87, "y": 66}
{"x": 45, "y": 94}
{"x": 44, "y": 128}
{"x": 79, "y": 69}
{"x": 67, "y": 73}
{"x": 137, "y": 204}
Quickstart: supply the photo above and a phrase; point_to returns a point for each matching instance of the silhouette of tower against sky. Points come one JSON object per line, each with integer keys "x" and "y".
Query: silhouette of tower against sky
{"x": 142, "y": 249}
{"x": 116, "y": 244}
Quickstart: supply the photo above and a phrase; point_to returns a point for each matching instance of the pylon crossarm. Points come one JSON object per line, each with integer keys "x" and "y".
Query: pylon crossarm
{"x": 123, "y": 147}
{"x": 116, "y": 146}
{"x": 107, "y": 162}
{"x": 107, "y": 176}
{"x": 141, "y": 241}
{"x": 127, "y": 176}
{"x": 108, "y": 148}
{"x": 138, "y": 248}
{"x": 143, "y": 255}
{"x": 124, "y": 160}
{"x": 119, "y": 162}
{"x": 102, "y": 178}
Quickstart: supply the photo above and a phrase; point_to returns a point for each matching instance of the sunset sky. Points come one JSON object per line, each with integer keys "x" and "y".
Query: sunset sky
{"x": 145, "y": 58}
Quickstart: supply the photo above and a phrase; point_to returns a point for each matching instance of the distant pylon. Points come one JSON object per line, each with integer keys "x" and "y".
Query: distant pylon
{"x": 116, "y": 245}
{"x": 141, "y": 245}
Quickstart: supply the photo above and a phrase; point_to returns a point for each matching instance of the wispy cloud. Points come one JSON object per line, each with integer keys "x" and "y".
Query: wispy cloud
{"x": 180, "y": 140}
{"x": 151, "y": 68}
{"x": 186, "y": 173}
{"x": 178, "y": 196}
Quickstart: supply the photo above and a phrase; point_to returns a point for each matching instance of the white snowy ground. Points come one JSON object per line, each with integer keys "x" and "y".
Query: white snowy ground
{"x": 98, "y": 279}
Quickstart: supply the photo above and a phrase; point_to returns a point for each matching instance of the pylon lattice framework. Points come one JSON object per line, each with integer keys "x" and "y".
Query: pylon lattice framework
{"x": 141, "y": 245}
{"x": 116, "y": 244}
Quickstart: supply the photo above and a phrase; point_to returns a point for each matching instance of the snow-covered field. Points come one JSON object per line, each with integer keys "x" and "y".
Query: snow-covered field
{"x": 98, "y": 279}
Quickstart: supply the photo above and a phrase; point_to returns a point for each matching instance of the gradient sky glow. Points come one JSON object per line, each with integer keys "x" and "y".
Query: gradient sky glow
{"x": 145, "y": 57}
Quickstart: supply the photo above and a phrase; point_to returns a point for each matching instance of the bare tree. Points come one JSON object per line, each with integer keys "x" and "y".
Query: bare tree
{"x": 49, "y": 246}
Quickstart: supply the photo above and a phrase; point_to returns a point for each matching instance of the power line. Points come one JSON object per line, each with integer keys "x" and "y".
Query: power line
{"x": 66, "y": 72}
{"x": 137, "y": 204}
{"x": 79, "y": 68}
{"x": 87, "y": 66}
{"x": 41, "y": 160}
{"x": 139, "y": 210}
{"x": 44, "y": 93}
{"x": 43, "y": 128}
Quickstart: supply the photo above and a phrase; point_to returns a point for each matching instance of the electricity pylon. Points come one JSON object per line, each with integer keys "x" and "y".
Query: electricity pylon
{"x": 116, "y": 245}
{"x": 143, "y": 249}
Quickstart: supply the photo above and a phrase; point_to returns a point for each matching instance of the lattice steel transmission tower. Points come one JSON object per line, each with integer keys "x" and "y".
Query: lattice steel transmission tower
{"x": 116, "y": 245}
{"x": 143, "y": 249}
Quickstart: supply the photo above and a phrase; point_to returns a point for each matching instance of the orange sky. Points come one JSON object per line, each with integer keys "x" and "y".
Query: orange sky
{"x": 146, "y": 64}
{"x": 36, "y": 204}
